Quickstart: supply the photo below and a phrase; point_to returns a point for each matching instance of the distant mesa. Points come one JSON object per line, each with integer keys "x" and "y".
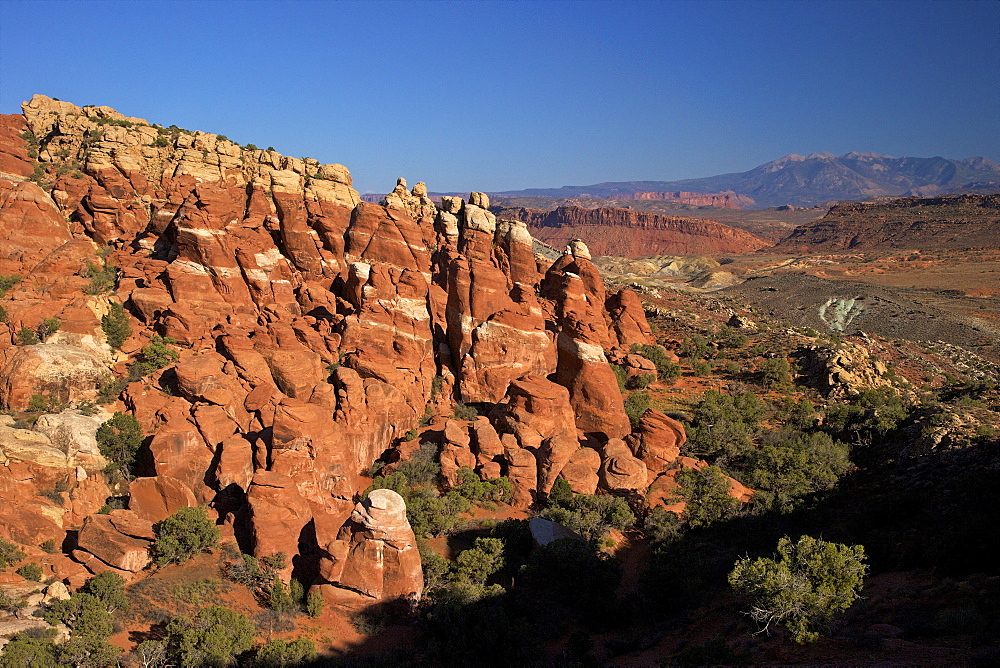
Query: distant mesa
{"x": 628, "y": 233}
{"x": 957, "y": 221}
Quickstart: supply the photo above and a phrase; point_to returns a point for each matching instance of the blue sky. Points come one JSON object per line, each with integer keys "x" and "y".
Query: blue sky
{"x": 496, "y": 96}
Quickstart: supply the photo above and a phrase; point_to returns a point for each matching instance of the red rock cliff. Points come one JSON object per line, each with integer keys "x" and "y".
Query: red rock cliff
{"x": 627, "y": 233}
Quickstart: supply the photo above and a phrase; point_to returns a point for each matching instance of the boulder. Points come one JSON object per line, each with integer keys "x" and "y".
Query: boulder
{"x": 157, "y": 498}
{"x": 581, "y": 471}
{"x": 100, "y": 537}
{"x": 620, "y": 471}
{"x": 657, "y": 440}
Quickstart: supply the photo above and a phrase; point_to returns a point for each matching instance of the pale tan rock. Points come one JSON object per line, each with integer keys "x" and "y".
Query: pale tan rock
{"x": 30, "y": 446}
{"x": 76, "y": 435}
{"x": 65, "y": 373}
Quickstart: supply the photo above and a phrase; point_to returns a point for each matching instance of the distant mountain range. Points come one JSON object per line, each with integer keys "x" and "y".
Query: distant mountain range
{"x": 814, "y": 179}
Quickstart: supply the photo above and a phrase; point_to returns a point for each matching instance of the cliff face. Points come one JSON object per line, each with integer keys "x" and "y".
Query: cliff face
{"x": 308, "y": 332}
{"x": 627, "y": 233}
{"x": 723, "y": 200}
{"x": 961, "y": 221}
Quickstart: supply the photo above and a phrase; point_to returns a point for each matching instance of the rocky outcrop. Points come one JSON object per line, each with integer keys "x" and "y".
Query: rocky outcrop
{"x": 841, "y": 371}
{"x": 374, "y": 555}
{"x": 628, "y": 233}
{"x": 539, "y": 415}
{"x": 576, "y": 286}
{"x": 657, "y": 441}
{"x": 309, "y": 333}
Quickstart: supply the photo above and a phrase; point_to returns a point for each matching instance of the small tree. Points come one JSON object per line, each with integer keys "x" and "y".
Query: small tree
{"x": 215, "y": 637}
{"x": 183, "y": 535}
{"x": 706, "y": 492}
{"x": 26, "y": 337}
{"x": 26, "y": 650}
{"x": 9, "y": 554}
{"x": 804, "y": 588}
{"x": 119, "y": 439}
{"x": 314, "y": 604}
{"x": 115, "y": 326}
{"x": 279, "y": 599}
{"x": 109, "y": 588}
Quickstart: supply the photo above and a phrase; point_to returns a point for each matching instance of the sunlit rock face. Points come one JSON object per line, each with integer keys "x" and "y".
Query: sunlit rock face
{"x": 308, "y": 333}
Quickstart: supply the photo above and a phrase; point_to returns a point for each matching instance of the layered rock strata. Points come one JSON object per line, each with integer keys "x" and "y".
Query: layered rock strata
{"x": 308, "y": 333}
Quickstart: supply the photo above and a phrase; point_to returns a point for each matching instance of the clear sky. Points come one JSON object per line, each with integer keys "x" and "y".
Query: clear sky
{"x": 506, "y": 95}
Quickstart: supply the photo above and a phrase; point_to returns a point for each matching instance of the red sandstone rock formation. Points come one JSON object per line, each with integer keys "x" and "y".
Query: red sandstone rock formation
{"x": 312, "y": 330}
{"x": 373, "y": 557}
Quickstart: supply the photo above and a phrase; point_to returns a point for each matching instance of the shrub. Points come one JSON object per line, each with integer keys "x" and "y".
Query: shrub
{"x": 620, "y": 375}
{"x": 791, "y": 464}
{"x": 662, "y": 526}
{"x": 156, "y": 355}
{"x": 37, "y": 403}
{"x": 696, "y": 347}
{"x": 28, "y": 650}
{"x": 10, "y": 604}
{"x": 26, "y": 337}
{"x": 464, "y": 412}
{"x": 640, "y": 381}
{"x": 871, "y": 412}
{"x": 728, "y": 337}
{"x": 809, "y": 582}
{"x": 479, "y": 491}
{"x": 247, "y": 571}
{"x": 7, "y": 281}
{"x": 590, "y": 515}
{"x": 31, "y": 572}
{"x": 119, "y": 440}
{"x": 115, "y": 326}
{"x": 636, "y": 404}
{"x": 102, "y": 279}
{"x": 701, "y": 367}
{"x": 279, "y": 599}
{"x": 776, "y": 373}
{"x": 480, "y": 561}
{"x": 3, "y": 315}
{"x": 49, "y": 327}
{"x": 665, "y": 369}
{"x": 706, "y": 492}
{"x": 280, "y": 653}
{"x": 422, "y": 468}
{"x": 108, "y": 588}
{"x": 183, "y": 535}
{"x": 214, "y": 637}
{"x": 49, "y": 546}
{"x": 723, "y": 425}
{"x": 150, "y": 654}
